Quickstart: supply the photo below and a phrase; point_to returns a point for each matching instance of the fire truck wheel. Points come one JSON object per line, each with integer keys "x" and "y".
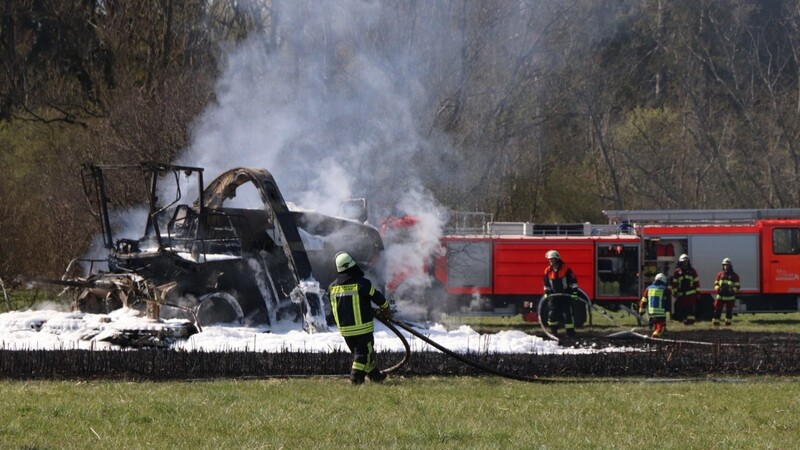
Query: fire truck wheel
{"x": 580, "y": 309}
{"x": 704, "y": 307}
{"x": 578, "y": 313}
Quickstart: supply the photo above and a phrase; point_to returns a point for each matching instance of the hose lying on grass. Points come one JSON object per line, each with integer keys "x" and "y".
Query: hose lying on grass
{"x": 455, "y": 355}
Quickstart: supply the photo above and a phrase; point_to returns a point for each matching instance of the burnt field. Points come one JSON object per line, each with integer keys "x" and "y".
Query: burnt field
{"x": 695, "y": 353}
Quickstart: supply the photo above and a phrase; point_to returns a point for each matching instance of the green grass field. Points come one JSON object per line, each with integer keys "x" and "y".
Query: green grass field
{"x": 422, "y": 413}
{"x": 763, "y": 322}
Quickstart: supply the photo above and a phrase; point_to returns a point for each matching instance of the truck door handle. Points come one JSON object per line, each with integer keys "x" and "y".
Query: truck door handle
{"x": 774, "y": 261}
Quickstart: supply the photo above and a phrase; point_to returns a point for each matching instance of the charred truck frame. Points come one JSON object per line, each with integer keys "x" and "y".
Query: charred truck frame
{"x": 211, "y": 262}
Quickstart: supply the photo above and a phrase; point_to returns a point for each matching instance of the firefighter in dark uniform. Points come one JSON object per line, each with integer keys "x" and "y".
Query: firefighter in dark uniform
{"x": 559, "y": 279}
{"x": 726, "y": 286}
{"x": 655, "y": 299}
{"x": 351, "y": 295}
{"x": 685, "y": 286}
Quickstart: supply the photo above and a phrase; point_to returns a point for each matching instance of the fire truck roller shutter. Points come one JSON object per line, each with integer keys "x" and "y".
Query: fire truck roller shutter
{"x": 706, "y": 252}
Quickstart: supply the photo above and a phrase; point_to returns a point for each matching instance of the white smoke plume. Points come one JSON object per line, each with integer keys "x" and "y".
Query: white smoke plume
{"x": 331, "y": 120}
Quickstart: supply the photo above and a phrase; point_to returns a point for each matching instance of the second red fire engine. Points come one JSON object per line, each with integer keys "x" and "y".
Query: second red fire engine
{"x": 497, "y": 267}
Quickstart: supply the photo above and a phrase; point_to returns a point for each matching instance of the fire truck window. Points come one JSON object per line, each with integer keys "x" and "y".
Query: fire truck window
{"x": 786, "y": 241}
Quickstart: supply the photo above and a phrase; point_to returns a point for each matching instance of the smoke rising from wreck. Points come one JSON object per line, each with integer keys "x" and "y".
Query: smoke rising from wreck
{"x": 331, "y": 120}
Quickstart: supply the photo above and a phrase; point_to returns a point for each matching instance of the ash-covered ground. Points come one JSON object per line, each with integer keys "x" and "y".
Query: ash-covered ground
{"x": 698, "y": 353}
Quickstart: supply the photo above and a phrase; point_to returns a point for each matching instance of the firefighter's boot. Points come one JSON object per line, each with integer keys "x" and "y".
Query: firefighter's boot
{"x": 688, "y": 321}
{"x": 357, "y": 376}
{"x": 715, "y": 322}
{"x": 727, "y": 322}
{"x": 571, "y": 332}
{"x": 376, "y": 376}
{"x": 656, "y": 333}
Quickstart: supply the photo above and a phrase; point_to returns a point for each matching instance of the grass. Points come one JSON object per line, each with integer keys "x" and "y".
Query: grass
{"x": 23, "y": 299}
{"x": 403, "y": 413}
{"x": 429, "y": 412}
{"x": 763, "y": 322}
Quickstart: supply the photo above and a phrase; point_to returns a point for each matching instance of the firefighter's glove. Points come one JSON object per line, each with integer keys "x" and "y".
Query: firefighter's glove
{"x": 547, "y": 292}
{"x": 384, "y": 314}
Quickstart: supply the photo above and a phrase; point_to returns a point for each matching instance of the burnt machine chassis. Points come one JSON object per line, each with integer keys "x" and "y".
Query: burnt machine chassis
{"x": 208, "y": 261}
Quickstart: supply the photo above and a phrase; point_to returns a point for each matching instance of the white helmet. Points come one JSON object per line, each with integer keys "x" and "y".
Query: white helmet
{"x": 344, "y": 261}
{"x": 726, "y": 261}
{"x": 552, "y": 254}
{"x": 684, "y": 257}
{"x": 661, "y": 277}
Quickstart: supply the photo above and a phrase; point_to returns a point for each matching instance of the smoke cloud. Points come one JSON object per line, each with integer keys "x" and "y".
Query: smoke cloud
{"x": 332, "y": 119}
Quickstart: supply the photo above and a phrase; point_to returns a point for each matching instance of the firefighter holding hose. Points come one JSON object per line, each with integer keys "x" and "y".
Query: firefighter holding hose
{"x": 352, "y": 296}
{"x": 561, "y": 288}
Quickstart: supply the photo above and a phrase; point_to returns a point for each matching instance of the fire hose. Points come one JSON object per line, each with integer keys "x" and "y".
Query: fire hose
{"x": 403, "y": 339}
{"x": 390, "y": 324}
{"x": 591, "y": 306}
{"x": 627, "y": 333}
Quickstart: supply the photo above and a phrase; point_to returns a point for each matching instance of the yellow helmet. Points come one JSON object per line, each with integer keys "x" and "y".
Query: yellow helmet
{"x": 344, "y": 261}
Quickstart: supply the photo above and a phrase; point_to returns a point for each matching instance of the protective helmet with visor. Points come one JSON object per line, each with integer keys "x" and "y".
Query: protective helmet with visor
{"x": 552, "y": 254}
{"x": 344, "y": 261}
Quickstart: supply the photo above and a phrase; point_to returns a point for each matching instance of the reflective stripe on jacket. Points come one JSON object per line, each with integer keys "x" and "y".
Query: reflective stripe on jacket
{"x": 351, "y": 305}
{"x": 685, "y": 282}
{"x": 655, "y": 298}
{"x": 727, "y": 285}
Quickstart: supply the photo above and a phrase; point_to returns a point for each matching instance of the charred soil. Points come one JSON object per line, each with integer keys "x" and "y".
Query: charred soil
{"x": 693, "y": 353}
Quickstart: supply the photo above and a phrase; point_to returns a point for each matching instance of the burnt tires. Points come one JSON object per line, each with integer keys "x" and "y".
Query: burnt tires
{"x": 219, "y": 308}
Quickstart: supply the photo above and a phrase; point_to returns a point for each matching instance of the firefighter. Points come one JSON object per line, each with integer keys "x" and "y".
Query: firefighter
{"x": 655, "y": 299}
{"x": 726, "y": 286}
{"x": 685, "y": 286}
{"x": 351, "y": 295}
{"x": 559, "y": 279}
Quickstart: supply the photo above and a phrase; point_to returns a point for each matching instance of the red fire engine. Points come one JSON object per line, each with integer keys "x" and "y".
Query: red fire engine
{"x": 498, "y": 266}
{"x": 764, "y": 245}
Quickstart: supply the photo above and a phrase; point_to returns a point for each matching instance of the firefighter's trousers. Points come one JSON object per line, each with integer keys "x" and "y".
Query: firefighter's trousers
{"x": 684, "y": 307}
{"x": 727, "y": 304}
{"x": 560, "y": 312}
{"x": 364, "y": 360}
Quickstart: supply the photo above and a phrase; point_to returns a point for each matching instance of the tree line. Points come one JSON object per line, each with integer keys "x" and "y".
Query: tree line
{"x": 551, "y": 111}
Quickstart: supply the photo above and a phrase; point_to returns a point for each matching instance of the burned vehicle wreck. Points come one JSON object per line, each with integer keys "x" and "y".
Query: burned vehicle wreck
{"x": 213, "y": 261}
